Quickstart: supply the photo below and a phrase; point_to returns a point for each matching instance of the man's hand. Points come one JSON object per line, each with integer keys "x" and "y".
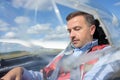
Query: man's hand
{"x": 14, "y": 74}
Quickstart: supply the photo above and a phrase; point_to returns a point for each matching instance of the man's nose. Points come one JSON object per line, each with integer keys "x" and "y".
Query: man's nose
{"x": 72, "y": 34}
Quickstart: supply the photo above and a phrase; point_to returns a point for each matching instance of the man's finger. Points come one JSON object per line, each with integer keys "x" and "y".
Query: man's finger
{"x": 18, "y": 78}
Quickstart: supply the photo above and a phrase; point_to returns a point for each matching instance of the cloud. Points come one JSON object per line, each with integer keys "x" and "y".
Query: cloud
{"x": 39, "y": 28}
{"x": 117, "y": 4}
{"x": 33, "y": 43}
{"x": 24, "y": 43}
{"x": 50, "y": 44}
{"x": 59, "y": 33}
{"x": 115, "y": 20}
{"x": 22, "y": 20}
{"x": 73, "y": 2}
{"x": 61, "y": 29}
{"x": 9, "y": 35}
{"x": 14, "y": 29}
{"x": 33, "y": 4}
{"x": 3, "y": 26}
{"x": 85, "y": 1}
{"x": 56, "y": 36}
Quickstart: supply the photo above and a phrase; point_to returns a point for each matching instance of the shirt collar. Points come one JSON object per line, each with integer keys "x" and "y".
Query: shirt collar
{"x": 87, "y": 46}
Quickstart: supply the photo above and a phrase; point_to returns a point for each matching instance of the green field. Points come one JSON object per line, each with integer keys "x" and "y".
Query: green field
{"x": 15, "y": 54}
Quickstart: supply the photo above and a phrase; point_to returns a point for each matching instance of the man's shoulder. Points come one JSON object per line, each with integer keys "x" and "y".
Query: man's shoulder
{"x": 99, "y": 47}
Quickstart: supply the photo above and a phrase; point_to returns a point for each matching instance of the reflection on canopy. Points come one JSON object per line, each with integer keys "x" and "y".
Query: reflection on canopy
{"x": 109, "y": 22}
{"x": 44, "y": 21}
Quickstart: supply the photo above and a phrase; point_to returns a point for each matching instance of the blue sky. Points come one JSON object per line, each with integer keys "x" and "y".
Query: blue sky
{"x": 111, "y": 5}
{"x": 37, "y": 22}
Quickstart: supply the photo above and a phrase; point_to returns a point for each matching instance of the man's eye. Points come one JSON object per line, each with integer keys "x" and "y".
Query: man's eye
{"x": 77, "y": 28}
{"x": 69, "y": 31}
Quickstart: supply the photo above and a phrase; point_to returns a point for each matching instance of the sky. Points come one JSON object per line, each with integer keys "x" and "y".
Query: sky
{"x": 30, "y": 23}
{"x": 112, "y": 6}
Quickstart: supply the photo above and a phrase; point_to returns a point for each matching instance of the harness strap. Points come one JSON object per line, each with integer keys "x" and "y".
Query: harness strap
{"x": 87, "y": 66}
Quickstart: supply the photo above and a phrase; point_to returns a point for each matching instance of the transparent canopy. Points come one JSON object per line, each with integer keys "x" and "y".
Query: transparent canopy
{"x": 27, "y": 24}
{"x": 31, "y": 25}
{"x": 39, "y": 26}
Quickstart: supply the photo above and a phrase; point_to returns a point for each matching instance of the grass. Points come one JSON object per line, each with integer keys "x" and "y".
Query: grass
{"x": 13, "y": 55}
{"x": 16, "y": 54}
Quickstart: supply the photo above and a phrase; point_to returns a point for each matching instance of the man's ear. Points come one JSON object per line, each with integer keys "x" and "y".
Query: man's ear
{"x": 92, "y": 29}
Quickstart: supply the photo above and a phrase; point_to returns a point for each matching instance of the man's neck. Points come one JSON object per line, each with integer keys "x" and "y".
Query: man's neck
{"x": 88, "y": 45}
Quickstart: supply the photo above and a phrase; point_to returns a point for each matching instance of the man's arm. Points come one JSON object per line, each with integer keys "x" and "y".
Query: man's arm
{"x": 14, "y": 74}
{"x": 20, "y": 73}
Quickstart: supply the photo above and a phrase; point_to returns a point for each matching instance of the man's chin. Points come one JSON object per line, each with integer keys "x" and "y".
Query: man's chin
{"x": 76, "y": 45}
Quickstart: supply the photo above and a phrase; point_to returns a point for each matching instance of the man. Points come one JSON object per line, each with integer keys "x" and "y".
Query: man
{"x": 82, "y": 28}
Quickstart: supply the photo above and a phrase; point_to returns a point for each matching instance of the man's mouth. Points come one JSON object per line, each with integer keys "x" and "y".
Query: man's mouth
{"x": 75, "y": 41}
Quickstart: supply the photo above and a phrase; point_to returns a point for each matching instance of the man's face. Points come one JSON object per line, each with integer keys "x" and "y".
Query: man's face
{"x": 79, "y": 31}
